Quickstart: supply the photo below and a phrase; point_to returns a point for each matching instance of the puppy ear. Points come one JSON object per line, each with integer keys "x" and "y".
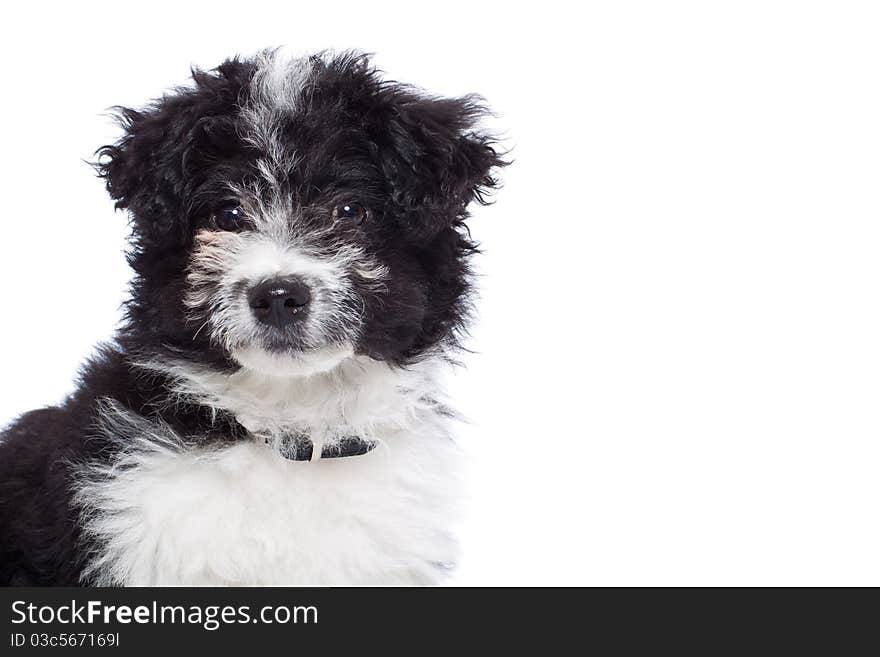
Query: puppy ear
{"x": 143, "y": 170}
{"x": 435, "y": 161}
{"x": 154, "y": 168}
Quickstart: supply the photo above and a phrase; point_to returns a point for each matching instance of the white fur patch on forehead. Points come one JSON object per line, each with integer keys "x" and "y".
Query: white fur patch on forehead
{"x": 275, "y": 92}
{"x": 280, "y": 79}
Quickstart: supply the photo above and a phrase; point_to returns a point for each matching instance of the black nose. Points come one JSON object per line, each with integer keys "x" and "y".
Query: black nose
{"x": 279, "y": 302}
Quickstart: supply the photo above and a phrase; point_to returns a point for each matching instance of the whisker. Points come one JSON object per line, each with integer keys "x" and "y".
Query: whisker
{"x": 196, "y": 334}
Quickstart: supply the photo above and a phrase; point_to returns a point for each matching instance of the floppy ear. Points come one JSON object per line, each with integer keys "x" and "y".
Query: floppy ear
{"x": 434, "y": 160}
{"x": 144, "y": 170}
{"x": 154, "y": 168}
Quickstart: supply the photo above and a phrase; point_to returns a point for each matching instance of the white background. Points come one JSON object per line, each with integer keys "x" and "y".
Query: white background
{"x": 677, "y": 368}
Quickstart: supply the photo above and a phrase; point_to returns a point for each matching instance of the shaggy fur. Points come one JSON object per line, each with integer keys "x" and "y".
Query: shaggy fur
{"x": 172, "y": 463}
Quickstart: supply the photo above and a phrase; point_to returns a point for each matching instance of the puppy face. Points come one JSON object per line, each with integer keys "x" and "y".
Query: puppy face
{"x": 290, "y": 213}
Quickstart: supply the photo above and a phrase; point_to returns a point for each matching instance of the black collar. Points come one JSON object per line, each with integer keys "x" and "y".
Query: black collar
{"x": 299, "y": 447}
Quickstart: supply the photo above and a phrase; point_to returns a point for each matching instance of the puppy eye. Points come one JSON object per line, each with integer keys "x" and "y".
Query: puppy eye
{"x": 351, "y": 211}
{"x": 229, "y": 217}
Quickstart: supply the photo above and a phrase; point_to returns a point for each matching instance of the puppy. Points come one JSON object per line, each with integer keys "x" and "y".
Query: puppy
{"x": 270, "y": 411}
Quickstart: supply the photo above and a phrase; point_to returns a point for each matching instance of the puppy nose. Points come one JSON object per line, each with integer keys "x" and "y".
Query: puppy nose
{"x": 279, "y": 302}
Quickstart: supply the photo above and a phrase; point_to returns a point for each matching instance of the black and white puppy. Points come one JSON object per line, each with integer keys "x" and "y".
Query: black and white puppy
{"x": 270, "y": 412}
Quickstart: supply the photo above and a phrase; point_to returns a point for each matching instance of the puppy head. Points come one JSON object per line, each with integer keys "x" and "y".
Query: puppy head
{"x": 288, "y": 213}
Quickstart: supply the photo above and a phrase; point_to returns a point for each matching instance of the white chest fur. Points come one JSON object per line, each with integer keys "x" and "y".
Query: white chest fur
{"x": 165, "y": 512}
